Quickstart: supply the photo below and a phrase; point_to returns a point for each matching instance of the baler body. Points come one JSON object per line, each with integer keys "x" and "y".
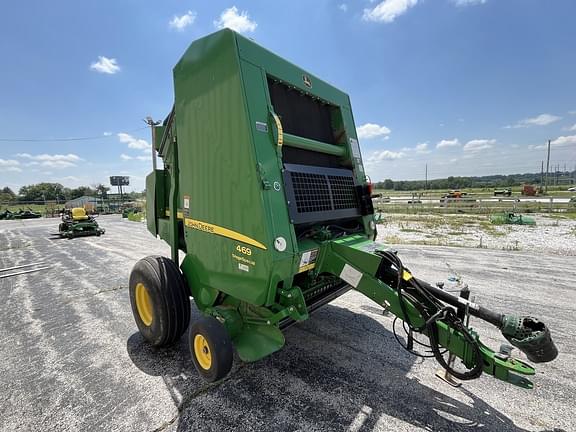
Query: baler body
{"x": 264, "y": 191}
{"x": 238, "y": 190}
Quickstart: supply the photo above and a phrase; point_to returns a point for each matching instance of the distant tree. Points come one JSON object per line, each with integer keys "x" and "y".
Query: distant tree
{"x": 82, "y": 191}
{"x": 388, "y": 184}
{"x": 42, "y": 191}
{"x": 102, "y": 190}
{"x": 7, "y": 195}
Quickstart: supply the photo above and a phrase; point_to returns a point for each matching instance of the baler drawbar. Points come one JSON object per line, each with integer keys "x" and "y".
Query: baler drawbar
{"x": 263, "y": 192}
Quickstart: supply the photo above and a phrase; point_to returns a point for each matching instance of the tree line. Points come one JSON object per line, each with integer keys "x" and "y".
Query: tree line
{"x": 491, "y": 181}
{"x": 50, "y": 192}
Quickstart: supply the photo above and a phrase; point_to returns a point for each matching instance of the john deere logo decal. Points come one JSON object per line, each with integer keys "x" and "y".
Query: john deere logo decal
{"x": 307, "y": 81}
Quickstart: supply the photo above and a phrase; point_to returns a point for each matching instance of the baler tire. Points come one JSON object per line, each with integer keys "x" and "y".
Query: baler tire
{"x": 160, "y": 300}
{"x": 208, "y": 333}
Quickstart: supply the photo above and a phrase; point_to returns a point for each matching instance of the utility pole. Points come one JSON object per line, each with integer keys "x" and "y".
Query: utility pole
{"x": 547, "y": 168}
{"x": 426, "y": 177}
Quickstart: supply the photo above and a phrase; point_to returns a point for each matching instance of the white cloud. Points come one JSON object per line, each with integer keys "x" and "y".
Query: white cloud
{"x": 563, "y": 141}
{"x": 240, "y": 22}
{"x": 8, "y": 163}
{"x": 57, "y": 161}
{"x": 540, "y": 120}
{"x": 468, "y": 2}
{"x": 388, "y": 10}
{"x": 372, "y": 130}
{"x": 479, "y": 145}
{"x": 448, "y": 143}
{"x": 181, "y": 22}
{"x": 422, "y": 148}
{"x": 140, "y": 158}
{"x": 572, "y": 128}
{"x": 380, "y": 156}
{"x": 105, "y": 65}
{"x": 107, "y": 134}
{"x": 133, "y": 143}
{"x": 343, "y": 7}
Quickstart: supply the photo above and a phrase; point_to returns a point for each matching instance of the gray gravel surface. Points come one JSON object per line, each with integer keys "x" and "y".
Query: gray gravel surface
{"x": 71, "y": 358}
{"x": 551, "y": 235}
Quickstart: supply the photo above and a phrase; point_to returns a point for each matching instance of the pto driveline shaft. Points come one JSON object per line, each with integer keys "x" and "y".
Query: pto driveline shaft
{"x": 476, "y": 310}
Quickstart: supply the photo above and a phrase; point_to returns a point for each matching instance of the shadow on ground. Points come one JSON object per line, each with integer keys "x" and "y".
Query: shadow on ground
{"x": 338, "y": 371}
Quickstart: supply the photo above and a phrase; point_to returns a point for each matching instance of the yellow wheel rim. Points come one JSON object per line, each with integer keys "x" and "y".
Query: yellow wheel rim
{"x": 144, "y": 304}
{"x": 202, "y": 352}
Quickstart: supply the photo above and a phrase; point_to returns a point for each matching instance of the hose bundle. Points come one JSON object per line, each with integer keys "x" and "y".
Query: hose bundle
{"x": 432, "y": 311}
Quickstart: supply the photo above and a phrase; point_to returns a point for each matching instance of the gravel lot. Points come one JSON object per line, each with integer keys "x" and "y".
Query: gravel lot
{"x": 551, "y": 235}
{"x": 72, "y": 360}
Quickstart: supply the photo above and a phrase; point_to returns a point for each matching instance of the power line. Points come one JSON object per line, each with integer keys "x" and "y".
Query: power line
{"x": 66, "y": 139}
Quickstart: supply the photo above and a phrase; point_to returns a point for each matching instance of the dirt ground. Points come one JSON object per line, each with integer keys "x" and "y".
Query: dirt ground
{"x": 71, "y": 358}
{"x": 552, "y": 234}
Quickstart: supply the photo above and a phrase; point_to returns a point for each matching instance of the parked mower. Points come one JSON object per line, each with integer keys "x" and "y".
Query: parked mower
{"x": 77, "y": 223}
{"x": 263, "y": 190}
{"x": 20, "y": 214}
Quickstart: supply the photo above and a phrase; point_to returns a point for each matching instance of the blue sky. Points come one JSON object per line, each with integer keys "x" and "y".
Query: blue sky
{"x": 470, "y": 87}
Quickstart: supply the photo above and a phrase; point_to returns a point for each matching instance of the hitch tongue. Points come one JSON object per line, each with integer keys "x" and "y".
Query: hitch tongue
{"x": 530, "y": 336}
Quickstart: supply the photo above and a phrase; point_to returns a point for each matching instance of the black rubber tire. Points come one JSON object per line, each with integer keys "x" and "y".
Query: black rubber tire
{"x": 169, "y": 297}
{"x": 220, "y": 345}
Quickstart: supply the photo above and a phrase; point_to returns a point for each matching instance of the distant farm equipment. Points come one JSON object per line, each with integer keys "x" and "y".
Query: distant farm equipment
{"x": 77, "y": 223}
{"x": 456, "y": 196}
{"x": 503, "y": 192}
{"x": 20, "y": 214}
{"x": 509, "y": 218}
{"x": 531, "y": 190}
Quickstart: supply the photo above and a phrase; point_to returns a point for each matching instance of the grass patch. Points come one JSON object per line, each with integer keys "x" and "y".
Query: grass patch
{"x": 490, "y": 229}
{"x": 411, "y": 230}
{"x": 136, "y": 217}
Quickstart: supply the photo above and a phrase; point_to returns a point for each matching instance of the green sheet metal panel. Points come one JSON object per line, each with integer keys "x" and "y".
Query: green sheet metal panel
{"x": 230, "y": 168}
{"x": 271, "y": 65}
{"x": 220, "y": 191}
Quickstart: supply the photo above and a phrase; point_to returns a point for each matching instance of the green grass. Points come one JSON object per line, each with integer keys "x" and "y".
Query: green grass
{"x": 411, "y": 230}
{"x": 40, "y": 208}
{"x": 135, "y": 217}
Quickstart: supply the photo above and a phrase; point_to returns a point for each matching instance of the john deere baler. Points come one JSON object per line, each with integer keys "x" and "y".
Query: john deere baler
{"x": 263, "y": 192}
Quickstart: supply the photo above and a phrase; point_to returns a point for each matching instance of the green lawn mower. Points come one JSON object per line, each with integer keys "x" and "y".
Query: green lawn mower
{"x": 77, "y": 223}
{"x": 263, "y": 191}
{"x": 20, "y": 214}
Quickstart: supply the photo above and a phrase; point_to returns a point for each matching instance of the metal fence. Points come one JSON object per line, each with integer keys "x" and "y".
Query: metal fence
{"x": 475, "y": 205}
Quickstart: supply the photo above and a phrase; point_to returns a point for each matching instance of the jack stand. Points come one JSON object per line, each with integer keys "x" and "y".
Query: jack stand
{"x": 445, "y": 376}
{"x": 386, "y": 310}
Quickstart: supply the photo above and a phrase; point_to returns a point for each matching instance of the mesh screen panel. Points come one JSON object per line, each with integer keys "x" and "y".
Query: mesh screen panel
{"x": 311, "y": 192}
{"x": 319, "y": 193}
{"x": 343, "y": 195}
